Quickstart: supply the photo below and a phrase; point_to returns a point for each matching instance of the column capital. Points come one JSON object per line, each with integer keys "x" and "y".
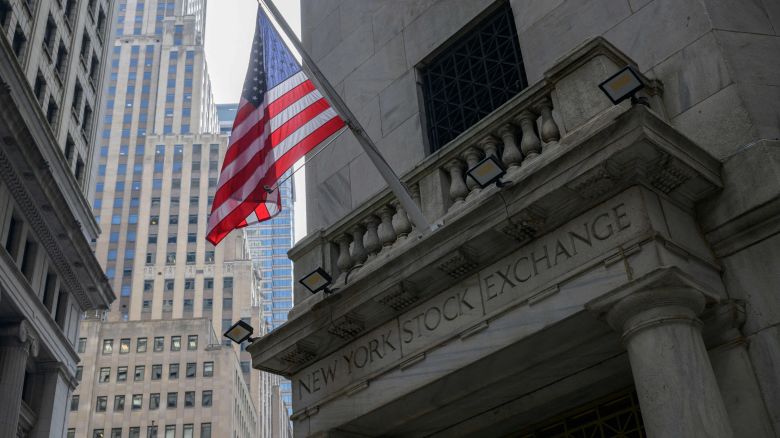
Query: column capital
{"x": 656, "y": 306}
{"x": 20, "y": 334}
{"x": 59, "y": 368}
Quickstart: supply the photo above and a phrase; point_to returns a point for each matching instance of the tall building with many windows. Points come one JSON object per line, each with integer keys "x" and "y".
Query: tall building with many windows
{"x": 267, "y": 244}
{"x": 61, "y": 47}
{"x": 51, "y": 67}
{"x": 157, "y": 170}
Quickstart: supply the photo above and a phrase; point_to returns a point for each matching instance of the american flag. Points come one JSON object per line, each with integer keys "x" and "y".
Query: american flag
{"x": 280, "y": 118}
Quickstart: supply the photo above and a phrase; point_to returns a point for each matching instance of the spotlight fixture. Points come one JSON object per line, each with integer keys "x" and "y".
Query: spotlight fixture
{"x": 240, "y": 332}
{"x": 623, "y": 85}
{"x": 487, "y": 172}
{"x": 316, "y": 281}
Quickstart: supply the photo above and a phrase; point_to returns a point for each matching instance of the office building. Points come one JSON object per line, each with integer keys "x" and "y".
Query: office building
{"x": 618, "y": 280}
{"x": 160, "y": 378}
{"x": 267, "y": 244}
{"x": 51, "y": 64}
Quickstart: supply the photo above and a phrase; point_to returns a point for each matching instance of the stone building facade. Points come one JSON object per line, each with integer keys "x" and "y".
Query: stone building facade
{"x": 159, "y": 378}
{"x": 619, "y": 281}
{"x": 48, "y": 275}
{"x": 61, "y": 50}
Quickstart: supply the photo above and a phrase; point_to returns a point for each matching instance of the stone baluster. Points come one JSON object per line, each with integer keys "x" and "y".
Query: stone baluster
{"x": 371, "y": 241}
{"x": 489, "y": 145}
{"x": 401, "y": 223}
{"x": 472, "y": 156}
{"x": 549, "y": 129}
{"x": 344, "y": 262}
{"x": 18, "y": 342}
{"x": 512, "y": 156}
{"x": 386, "y": 232}
{"x": 359, "y": 253}
{"x": 530, "y": 144}
{"x": 458, "y": 189}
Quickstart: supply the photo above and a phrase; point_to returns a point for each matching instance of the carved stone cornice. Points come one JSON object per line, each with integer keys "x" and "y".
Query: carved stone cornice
{"x": 33, "y": 217}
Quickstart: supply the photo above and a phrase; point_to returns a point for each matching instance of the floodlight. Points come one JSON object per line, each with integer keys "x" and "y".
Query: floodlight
{"x": 316, "y": 281}
{"x": 622, "y": 85}
{"x": 240, "y": 332}
{"x": 487, "y": 172}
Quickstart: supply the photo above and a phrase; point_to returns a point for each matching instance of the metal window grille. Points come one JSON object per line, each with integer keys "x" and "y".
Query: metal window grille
{"x": 472, "y": 77}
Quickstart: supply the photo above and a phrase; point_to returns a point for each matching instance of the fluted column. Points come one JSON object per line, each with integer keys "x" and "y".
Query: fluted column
{"x": 512, "y": 155}
{"x": 530, "y": 144}
{"x": 372, "y": 242}
{"x": 677, "y": 389}
{"x": 17, "y": 343}
{"x": 359, "y": 253}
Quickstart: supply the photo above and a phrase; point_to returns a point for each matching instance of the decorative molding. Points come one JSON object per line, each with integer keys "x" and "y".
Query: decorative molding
{"x": 666, "y": 175}
{"x": 347, "y": 327}
{"x": 399, "y": 297}
{"x": 21, "y": 334}
{"x": 42, "y": 233}
{"x": 526, "y": 225}
{"x": 299, "y": 353}
{"x": 593, "y": 183}
{"x": 458, "y": 263}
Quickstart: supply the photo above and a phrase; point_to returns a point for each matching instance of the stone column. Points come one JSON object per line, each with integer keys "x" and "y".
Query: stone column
{"x": 57, "y": 385}
{"x": 17, "y": 343}
{"x": 677, "y": 389}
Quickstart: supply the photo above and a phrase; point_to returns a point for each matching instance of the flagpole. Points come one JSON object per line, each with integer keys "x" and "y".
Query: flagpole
{"x": 395, "y": 184}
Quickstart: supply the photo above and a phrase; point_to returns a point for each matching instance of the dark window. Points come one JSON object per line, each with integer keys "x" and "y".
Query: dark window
{"x": 173, "y": 371}
{"x": 156, "y": 372}
{"x": 138, "y": 402}
{"x": 206, "y": 400}
{"x": 189, "y": 399}
{"x": 19, "y": 42}
{"x": 191, "y": 369}
{"x": 472, "y": 77}
{"x": 208, "y": 369}
{"x": 154, "y": 401}
{"x": 82, "y": 345}
{"x": 141, "y": 344}
{"x": 74, "y": 403}
{"x": 159, "y": 343}
{"x": 100, "y": 406}
{"x": 175, "y": 343}
{"x": 119, "y": 402}
{"x": 173, "y": 398}
{"x": 121, "y": 374}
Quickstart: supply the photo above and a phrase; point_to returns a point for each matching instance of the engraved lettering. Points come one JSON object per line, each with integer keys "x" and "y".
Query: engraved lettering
{"x": 488, "y": 286}
{"x": 606, "y": 232}
{"x": 357, "y": 360}
{"x": 386, "y": 341}
{"x": 505, "y": 277}
{"x": 546, "y": 258}
{"x": 407, "y": 331}
{"x": 463, "y": 302}
{"x": 584, "y": 239}
{"x": 436, "y": 320}
{"x": 560, "y": 249}
{"x": 619, "y": 216}
{"x": 450, "y": 316}
{"x": 519, "y": 277}
{"x": 373, "y": 348}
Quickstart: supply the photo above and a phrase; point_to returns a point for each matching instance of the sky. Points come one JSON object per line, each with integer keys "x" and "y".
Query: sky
{"x": 230, "y": 25}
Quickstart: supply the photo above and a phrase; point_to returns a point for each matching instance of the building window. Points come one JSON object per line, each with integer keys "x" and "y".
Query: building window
{"x": 159, "y": 344}
{"x": 189, "y": 399}
{"x": 74, "y": 403}
{"x": 175, "y": 343}
{"x": 119, "y": 403}
{"x": 208, "y": 283}
{"x": 139, "y": 373}
{"x": 206, "y": 398}
{"x": 124, "y": 346}
{"x": 208, "y": 369}
{"x": 82, "y": 347}
{"x": 134, "y": 432}
{"x": 121, "y": 374}
{"x": 156, "y": 372}
{"x": 227, "y": 283}
{"x": 141, "y": 343}
{"x": 138, "y": 401}
{"x": 173, "y": 371}
{"x": 104, "y": 375}
{"x": 98, "y": 433}
{"x": 472, "y": 77}
{"x": 192, "y": 342}
{"x": 100, "y": 405}
{"x": 108, "y": 346}
{"x": 79, "y": 373}
{"x": 116, "y": 432}
{"x": 205, "y": 430}
{"x": 170, "y": 431}
{"x": 173, "y": 398}
{"x": 151, "y": 431}
{"x": 154, "y": 401}
{"x": 191, "y": 370}
{"x": 71, "y": 433}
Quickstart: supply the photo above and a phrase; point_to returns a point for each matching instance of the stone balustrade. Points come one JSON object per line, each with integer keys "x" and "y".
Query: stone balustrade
{"x": 523, "y": 130}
